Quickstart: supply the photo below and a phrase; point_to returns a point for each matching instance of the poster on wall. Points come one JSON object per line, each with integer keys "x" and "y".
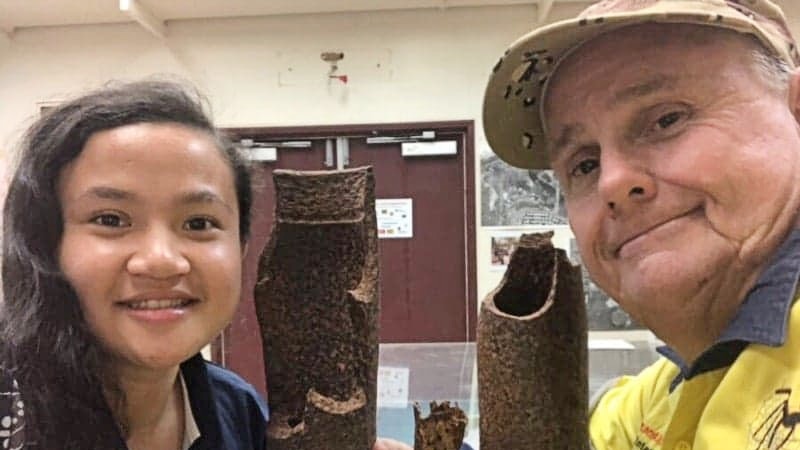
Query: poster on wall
{"x": 503, "y": 245}
{"x": 393, "y": 387}
{"x": 505, "y": 241}
{"x": 395, "y": 218}
{"x": 518, "y": 197}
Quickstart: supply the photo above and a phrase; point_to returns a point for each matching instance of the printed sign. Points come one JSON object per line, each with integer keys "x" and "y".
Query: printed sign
{"x": 395, "y": 218}
{"x": 393, "y": 387}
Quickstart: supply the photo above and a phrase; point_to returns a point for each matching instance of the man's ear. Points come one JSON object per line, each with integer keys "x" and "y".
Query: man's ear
{"x": 245, "y": 248}
{"x": 794, "y": 94}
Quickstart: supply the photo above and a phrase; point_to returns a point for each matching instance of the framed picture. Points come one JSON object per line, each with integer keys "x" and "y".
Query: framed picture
{"x": 503, "y": 245}
{"x": 45, "y": 107}
{"x": 517, "y": 197}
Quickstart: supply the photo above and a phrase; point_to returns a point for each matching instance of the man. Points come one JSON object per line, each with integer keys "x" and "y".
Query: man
{"x": 672, "y": 126}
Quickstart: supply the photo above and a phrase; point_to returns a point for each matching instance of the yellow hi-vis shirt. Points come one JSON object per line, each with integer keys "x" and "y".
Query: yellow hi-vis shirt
{"x": 753, "y": 404}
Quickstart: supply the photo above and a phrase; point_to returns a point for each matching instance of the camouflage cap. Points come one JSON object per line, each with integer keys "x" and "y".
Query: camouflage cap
{"x": 512, "y": 106}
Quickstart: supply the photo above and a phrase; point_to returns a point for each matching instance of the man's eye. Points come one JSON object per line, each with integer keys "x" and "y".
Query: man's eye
{"x": 669, "y": 119}
{"x": 200, "y": 224}
{"x": 109, "y": 220}
{"x": 584, "y": 167}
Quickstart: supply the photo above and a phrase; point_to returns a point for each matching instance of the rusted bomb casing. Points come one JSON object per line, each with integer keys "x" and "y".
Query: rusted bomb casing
{"x": 317, "y": 306}
{"x": 532, "y": 353}
{"x": 443, "y": 429}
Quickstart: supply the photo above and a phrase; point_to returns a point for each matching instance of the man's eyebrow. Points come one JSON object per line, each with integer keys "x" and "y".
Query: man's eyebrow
{"x": 643, "y": 89}
{"x": 567, "y": 136}
{"x": 203, "y": 196}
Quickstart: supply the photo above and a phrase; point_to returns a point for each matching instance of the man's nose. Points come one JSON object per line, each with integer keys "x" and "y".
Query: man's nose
{"x": 158, "y": 255}
{"x": 624, "y": 182}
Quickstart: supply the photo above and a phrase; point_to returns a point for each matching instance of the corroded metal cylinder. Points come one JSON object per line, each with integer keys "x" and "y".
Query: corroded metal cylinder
{"x": 532, "y": 353}
{"x": 443, "y": 429}
{"x": 317, "y": 306}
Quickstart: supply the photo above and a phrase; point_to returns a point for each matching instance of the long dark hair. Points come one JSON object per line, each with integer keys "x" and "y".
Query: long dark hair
{"x": 45, "y": 343}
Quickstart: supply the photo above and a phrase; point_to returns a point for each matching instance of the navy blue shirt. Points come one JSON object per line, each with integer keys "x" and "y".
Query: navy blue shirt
{"x": 762, "y": 318}
{"x": 229, "y": 413}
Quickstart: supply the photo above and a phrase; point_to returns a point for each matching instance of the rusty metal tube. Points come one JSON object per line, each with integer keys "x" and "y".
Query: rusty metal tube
{"x": 443, "y": 429}
{"x": 317, "y": 306}
{"x": 532, "y": 353}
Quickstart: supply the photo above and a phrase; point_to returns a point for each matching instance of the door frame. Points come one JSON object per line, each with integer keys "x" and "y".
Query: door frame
{"x": 464, "y": 127}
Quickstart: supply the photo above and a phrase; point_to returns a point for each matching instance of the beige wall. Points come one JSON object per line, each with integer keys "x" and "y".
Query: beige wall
{"x": 438, "y": 62}
{"x": 434, "y": 64}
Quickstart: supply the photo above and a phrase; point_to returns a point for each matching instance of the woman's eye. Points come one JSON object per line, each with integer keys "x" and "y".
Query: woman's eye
{"x": 584, "y": 167}
{"x": 110, "y": 220}
{"x": 200, "y": 224}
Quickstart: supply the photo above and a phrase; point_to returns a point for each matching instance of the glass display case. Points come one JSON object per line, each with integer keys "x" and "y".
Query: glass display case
{"x": 420, "y": 373}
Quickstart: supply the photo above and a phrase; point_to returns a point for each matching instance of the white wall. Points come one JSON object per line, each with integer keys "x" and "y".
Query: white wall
{"x": 434, "y": 65}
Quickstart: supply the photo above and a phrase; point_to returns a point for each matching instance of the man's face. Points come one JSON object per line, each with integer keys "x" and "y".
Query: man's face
{"x": 679, "y": 165}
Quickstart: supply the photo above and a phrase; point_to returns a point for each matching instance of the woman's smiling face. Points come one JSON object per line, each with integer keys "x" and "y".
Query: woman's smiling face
{"x": 151, "y": 241}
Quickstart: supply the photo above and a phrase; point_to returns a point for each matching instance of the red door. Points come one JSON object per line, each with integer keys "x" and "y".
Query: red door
{"x": 424, "y": 289}
{"x": 427, "y": 281}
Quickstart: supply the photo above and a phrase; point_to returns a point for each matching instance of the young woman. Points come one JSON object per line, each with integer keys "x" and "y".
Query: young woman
{"x": 124, "y": 229}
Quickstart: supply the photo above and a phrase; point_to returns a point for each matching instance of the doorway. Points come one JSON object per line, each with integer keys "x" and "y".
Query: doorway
{"x": 427, "y": 285}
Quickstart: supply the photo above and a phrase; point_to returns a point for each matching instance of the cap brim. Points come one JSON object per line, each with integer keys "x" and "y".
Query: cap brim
{"x": 513, "y": 99}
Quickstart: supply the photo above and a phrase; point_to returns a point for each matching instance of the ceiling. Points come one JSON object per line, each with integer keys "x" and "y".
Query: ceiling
{"x": 155, "y": 14}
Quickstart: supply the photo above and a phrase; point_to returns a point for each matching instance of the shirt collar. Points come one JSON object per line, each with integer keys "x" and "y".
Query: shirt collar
{"x": 762, "y": 318}
{"x": 204, "y": 408}
{"x": 190, "y": 431}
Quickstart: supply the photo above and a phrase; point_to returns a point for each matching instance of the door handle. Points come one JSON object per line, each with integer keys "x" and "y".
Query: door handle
{"x": 329, "y": 153}
{"x": 342, "y": 152}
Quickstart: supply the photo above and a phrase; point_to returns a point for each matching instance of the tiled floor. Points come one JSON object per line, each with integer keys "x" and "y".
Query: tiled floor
{"x": 447, "y": 371}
